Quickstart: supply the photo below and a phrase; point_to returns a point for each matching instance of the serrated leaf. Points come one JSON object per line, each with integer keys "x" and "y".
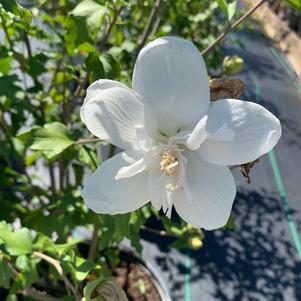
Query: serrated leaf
{"x": 18, "y": 242}
{"x": 52, "y": 139}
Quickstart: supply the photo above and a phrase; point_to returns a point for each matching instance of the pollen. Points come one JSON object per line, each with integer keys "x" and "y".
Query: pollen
{"x": 169, "y": 163}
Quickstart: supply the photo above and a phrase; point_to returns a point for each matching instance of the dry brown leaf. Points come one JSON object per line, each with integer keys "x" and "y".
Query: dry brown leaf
{"x": 225, "y": 88}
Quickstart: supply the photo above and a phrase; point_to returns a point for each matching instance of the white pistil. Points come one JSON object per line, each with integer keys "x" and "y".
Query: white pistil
{"x": 171, "y": 187}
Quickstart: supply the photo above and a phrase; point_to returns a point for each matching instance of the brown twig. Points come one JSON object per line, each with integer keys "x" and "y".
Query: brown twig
{"x": 31, "y": 291}
{"x": 61, "y": 172}
{"x": 149, "y": 26}
{"x": 81, "y": 85}
{"x": 232, "y": 26}
{"x": 110, "y": 27}
{"x": 38, "y": 295}
{"x": 27, "y": 44}
{"x": 52, "y": 178}
{"x": 57, "y": 265}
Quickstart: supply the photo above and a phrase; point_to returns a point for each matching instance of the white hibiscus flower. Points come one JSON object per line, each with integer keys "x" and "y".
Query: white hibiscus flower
{"x": 178, "y": 145}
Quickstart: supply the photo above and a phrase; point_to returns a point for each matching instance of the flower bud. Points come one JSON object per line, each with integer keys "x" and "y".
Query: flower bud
{"x": 233, "y": 64}
{"x": 195, "y": 242}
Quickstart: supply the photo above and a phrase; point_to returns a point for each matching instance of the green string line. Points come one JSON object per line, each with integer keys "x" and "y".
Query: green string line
{"x": 278, "y": 178}
{"x": 287, "y": 68}
{"x": 287, "y": 209}
{"x": 187, "y": 276}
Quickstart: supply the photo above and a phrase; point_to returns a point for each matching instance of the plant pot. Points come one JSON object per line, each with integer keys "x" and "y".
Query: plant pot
{"x": 137, "y": 270}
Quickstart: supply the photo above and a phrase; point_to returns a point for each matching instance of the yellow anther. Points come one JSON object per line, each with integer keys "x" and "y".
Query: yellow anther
{"x": 169, "y": 163}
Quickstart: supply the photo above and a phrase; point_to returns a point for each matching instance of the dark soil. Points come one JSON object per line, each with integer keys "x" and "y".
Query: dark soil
{"x": 136, "y": 282}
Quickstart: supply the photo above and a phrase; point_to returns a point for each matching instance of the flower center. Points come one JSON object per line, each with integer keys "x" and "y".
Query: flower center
{"x": 169, "y": 162}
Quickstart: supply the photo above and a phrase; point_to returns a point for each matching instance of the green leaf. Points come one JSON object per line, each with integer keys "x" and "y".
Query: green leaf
{"x": 36, "y": 64}
{"x": 78, "y": 267}
{"x": 90, "y": 288}
{"x": 228, "y": 9}
{"x": 231, "y": 225}
{"x": 231, "y": 9}
{"x": 11, "y": 297}
{"x": 112, "y": 68}
{"x": 90, "y": 11}
{"x": 108, "y": 227}
{"x": 95, "y": 66}
{"x": 63, "y": 248}
{"x": 44, "y": 243}
{"x": 52, "y": 139}
{"x": 86, "y": 47}
{"x": 5, "y": 65}
{"x": 5, "y": 274}
{"x": 82, "y": 22}
{"x": 8, "y": 85}
{"x": 223, "y": 5}
{"x": 18, "y": 242}
{"x": 134, "y": 229}
{"x": 16, "y": 9}
{"x": 10, "y": 6}
{"x": 87, "y": 154}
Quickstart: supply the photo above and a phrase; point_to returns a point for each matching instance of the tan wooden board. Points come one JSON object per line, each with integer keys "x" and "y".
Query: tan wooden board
{"x": 277, "y": 30}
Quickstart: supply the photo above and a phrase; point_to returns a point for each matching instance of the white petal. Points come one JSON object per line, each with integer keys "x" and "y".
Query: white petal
{"x": 103, "y": 194}
{"x": 144, "y": 142}
{"x": 256, "y": 132}
{"x": 207, "y": 198}
{"x": 198, "y": 135}
{"x": 156, "y": 188}
{"x": 171, "y": 75}
{"x": 130, "y": 170}
{"x": 111, "y": 111}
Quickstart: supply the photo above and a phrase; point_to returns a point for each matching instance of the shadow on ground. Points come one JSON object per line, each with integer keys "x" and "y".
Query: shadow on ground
{"x": 254, "y": 262}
